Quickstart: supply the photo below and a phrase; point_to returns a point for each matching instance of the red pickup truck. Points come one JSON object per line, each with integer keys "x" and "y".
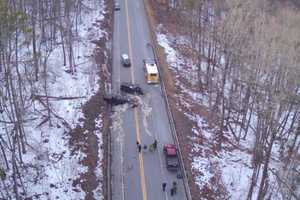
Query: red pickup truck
{"x": 171, "y": 156}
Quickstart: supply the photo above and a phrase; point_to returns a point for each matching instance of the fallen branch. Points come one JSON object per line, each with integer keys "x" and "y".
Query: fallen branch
{"x": 56, "y": 98}
{"x": 11, "y": 122}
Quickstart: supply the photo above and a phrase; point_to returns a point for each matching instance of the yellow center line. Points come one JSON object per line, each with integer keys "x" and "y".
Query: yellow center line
{"x": 137, "y": 127}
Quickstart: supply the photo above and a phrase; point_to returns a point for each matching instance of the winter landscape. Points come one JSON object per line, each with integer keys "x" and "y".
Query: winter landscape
{"x": 226, "y": 97}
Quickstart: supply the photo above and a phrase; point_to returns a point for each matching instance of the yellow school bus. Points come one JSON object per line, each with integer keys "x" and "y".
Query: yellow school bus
{"x": 151, "y": 71}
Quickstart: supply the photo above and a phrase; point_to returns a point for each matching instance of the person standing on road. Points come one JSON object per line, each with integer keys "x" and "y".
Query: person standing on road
{"x": 172, "y": 191}
{"x": 174, "y": 187}
{"x": 164, "y": 185}
{"x": 155, "y": 144}
{"x": 138, "y": 146}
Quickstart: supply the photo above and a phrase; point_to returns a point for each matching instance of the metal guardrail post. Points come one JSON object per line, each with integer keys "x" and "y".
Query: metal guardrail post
{"x": 170, "y": 115}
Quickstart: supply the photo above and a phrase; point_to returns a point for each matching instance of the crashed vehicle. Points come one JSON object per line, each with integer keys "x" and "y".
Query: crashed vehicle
{"x": 116, "y": 99}
{"x": 171, "y": 156}
{"x": 131, "y": 88}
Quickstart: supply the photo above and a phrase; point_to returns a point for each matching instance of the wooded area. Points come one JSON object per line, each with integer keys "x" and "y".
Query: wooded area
{"x": 29, "y": 32}
{"x": 247, "y": 53}
{"x": 251, "y": 76}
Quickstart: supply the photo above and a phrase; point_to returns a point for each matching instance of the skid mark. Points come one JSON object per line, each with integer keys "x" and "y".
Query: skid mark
{"x": 117, "y": 122}
{"x": 146, "y": 110}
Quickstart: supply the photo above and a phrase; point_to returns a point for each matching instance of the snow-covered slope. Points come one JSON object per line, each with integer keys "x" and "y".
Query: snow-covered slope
{"x": 50, "y": 164}
{"x": 225, "y": 174}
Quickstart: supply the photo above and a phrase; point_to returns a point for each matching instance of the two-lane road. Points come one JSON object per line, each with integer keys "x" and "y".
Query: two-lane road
{"x": 138, "y": 176}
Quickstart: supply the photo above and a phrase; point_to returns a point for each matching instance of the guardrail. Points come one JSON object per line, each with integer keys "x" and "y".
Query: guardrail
{"x": 109, "y": 155}
{"x": 108, "y": 139}
{"x": 170, "y": 115}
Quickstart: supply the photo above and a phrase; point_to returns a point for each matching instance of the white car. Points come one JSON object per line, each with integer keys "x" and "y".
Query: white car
{"x": 117, "y": 6}
{"x": 125, "y": 60}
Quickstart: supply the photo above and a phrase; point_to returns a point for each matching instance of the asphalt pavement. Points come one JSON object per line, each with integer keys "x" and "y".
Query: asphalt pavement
{"x": 138, "y": 176}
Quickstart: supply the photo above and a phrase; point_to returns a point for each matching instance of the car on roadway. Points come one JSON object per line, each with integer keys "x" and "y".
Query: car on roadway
{"x": 116, "y": 99}
{"x": 171, "y": 156}
{"x": 117, "y": 6}
{"x": 125, "y": 60}
{"x": 131, "y": 88}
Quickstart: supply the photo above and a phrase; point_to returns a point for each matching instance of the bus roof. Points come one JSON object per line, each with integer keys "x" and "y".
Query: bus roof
{"x": 151, "y": 67}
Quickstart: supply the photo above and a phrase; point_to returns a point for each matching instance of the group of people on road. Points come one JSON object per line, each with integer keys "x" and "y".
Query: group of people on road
{"x": 153, "y": 147}
{"x": 173, "y": 189}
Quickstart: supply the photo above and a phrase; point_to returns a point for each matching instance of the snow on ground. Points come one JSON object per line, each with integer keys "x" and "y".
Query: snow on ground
{"x": 203, "y": 170}
{"x": 236, "y": 173}
{"x": 235, "y": 165}
{"x": 57, "y": 166}
{"x": 98, "y": 193}
{"x": 173, "y": 58}
{"x": 51, "y": 165}
{"x": 182, "y": 67}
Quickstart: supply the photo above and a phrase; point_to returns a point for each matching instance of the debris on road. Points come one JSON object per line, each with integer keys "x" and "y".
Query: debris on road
{"x": 131, "y": 88}
{"x": 116, "y": 99}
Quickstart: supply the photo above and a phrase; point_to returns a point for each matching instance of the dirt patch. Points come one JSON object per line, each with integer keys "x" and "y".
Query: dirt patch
{"x": 83, "y": 139}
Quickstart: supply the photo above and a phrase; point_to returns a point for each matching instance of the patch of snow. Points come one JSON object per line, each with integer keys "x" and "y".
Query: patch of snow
{"x": 236, "y": 173}
{"x": 172, "y": 57}
{"x": 202, "y": 167}
{"x": 206, "y": 132}
{"x": 195, "y": 131}
{"x": 98, "y": 193}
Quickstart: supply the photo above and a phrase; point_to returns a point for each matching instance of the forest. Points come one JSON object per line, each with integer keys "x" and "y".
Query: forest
{"x": 246, "y": 54}
{"x": 251, "y": 78}
{"x": 46, "y": 48}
